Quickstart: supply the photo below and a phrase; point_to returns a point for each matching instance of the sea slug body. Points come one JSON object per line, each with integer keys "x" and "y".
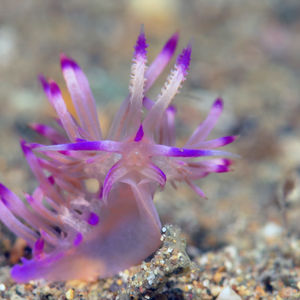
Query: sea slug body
{"x": 79, "y": 234}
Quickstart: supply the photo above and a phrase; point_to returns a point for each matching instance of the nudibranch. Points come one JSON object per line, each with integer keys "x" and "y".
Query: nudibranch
{"x": 76, "y": 233}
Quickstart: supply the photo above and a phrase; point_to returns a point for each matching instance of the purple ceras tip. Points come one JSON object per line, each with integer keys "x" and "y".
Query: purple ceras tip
{"x": 3, "y": 194}
{"x": 226, "y": 162}
{"x": 141, "y": 46}
{"x": 172, "y": 109}
{"x": 222, "y": 169}
{"x": 93, "y": 219}
{"x": 44, "y": 83}
{"x": 67, "y": 62}
{"x": 24, "y": 146}
{"x": 54, "y": 88}
{"x": 3, "y": 189}
{"x": 171, "y": 44}
{"x": 183, "y": 60}
{"x": 218, "y": 103}
{"x": 39, "y": 128}
{"x": 139, "y": 134}
{"x": 78, "y": 239}
{"x": 227, "y": 140}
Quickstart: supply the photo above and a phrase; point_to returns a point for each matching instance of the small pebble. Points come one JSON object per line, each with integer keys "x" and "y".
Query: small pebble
{"x": 70, "y": 294}
{"x": 232, "y": 251}
{"x": 272, "y": 230}
{"x": 228, "y": 294}
{"x": 206, "y": 283}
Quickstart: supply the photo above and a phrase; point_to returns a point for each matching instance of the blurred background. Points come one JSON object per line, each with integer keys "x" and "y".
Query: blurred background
{"x": 245, "y": 51}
